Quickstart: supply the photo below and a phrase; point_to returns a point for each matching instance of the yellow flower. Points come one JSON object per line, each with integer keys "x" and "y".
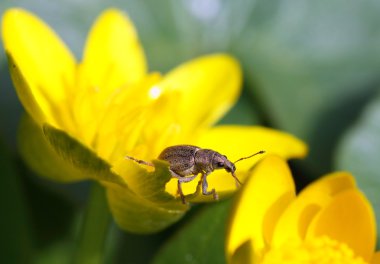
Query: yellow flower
{"x": 330, "y": 221}
{"x": 84, "y": 118}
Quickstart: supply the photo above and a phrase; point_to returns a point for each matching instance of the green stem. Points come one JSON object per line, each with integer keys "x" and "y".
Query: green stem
{"x": 94, "y": 228}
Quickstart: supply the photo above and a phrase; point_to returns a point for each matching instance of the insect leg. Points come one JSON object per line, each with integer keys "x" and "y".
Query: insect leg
{"x": 182, "y": 179}
{"x": 140, "y": 161}
{"x": 205, "y": 186}
{"x": 179, "y": 186}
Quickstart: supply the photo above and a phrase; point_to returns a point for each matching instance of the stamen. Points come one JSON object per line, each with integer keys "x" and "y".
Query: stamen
{"x": 315, "y": 250}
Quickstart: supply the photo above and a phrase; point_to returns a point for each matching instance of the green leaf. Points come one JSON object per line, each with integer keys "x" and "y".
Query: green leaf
{"x": 201, "y": 241}
{"x": 15, "y": 229}
{"x": 57, "y": 253}
{"x": 359, "y": 151}
{"x": 91, "y": 244}
{"x": 305, "y": 56}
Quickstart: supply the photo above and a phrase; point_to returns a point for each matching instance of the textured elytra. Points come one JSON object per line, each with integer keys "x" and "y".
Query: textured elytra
{"x": 181, "y": 159}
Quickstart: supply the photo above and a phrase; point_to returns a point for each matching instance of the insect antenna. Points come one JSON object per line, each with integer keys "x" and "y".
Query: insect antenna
{"x": 257, "y": 153}
{"x": 140, "y": 161}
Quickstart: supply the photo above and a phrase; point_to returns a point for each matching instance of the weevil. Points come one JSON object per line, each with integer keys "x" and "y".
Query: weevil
{"x": 187, "y": 161}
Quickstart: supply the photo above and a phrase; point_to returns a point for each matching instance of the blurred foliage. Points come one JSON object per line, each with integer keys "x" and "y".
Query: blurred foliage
{"x": 206, "y": 231}
{"x": 311, "y": 68}
{"x": 15, "y": 228}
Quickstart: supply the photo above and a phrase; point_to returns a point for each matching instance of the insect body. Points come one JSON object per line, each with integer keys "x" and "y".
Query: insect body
{"x": 186, "y": 162}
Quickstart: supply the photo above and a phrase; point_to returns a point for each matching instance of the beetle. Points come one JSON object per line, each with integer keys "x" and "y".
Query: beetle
{"x": 187, "y": 161}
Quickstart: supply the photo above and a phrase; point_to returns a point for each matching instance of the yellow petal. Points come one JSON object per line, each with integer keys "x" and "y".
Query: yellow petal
{"x": 25, "y": 93}
{"x": 262, "y": 200}
{"x": 376, "y": 258}
{"x": 113, "y": 63}
{"x": 348, "y": 218}
{"x": 293, "y": 224}
{"x": 113, "y": 56}
{"x": 123, "y": 122}
{"x": 241, "y": 141}
{"x": 209, "y": 86}
{"x": 44, "y": 62}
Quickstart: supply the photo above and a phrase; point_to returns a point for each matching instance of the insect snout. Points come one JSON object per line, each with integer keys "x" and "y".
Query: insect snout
{"x": 230, "y": 167}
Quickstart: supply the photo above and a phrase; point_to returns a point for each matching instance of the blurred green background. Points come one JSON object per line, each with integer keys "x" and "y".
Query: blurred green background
{"x": 311, "y": 68}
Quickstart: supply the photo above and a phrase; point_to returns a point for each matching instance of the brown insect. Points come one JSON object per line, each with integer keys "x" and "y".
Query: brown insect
{"x": 186, "y": 162}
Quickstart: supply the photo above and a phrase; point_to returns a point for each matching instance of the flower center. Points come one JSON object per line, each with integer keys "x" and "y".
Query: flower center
{"x": 315, "y": 250}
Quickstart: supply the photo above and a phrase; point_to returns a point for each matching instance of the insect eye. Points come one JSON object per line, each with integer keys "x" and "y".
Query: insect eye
{"x": 220, "y": 164}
